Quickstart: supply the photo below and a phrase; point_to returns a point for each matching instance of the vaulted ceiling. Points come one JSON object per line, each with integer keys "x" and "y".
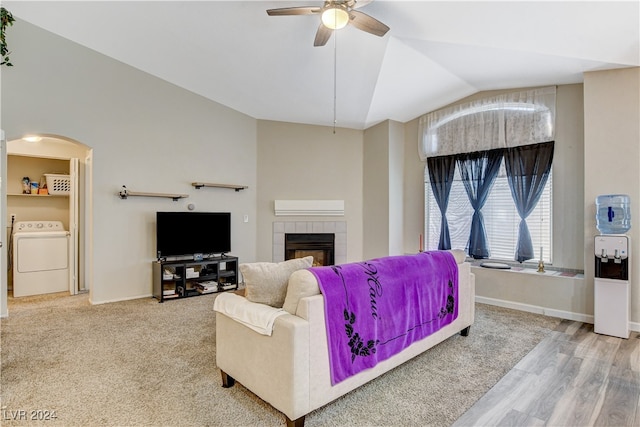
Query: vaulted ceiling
{"x": 436, "y": 52}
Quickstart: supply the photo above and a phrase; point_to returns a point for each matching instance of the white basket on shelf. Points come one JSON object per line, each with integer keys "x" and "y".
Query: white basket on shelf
{"x": 58, "y": 184}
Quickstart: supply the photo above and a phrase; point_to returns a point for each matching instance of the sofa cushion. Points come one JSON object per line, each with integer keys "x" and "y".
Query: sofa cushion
{"x": 266, "y": 282}
{"x": 302, "y": 283}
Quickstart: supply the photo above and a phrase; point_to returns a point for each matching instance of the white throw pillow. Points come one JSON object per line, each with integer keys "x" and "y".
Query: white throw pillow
{"x": 266, "y": 282}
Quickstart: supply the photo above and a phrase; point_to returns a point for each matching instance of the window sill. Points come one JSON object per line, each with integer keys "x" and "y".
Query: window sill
{"x": 531, "y": 269}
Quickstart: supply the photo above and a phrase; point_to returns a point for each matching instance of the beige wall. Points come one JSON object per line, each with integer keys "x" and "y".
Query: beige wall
{"x": 413, "y": 189}
{"x": 568, "y": 178}
{"x": 146, "y": 134}
{"x": 563, "y": 297}
{"x": 383, "y": 161}
{"x": 375, "y": 218}
{"x": 396, "y": 191}
{"x": 303, "y": 162}
{"x": 612, "y": 160}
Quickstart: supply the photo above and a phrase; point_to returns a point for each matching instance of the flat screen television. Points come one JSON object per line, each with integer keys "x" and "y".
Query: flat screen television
{"x": 189, "y": 233}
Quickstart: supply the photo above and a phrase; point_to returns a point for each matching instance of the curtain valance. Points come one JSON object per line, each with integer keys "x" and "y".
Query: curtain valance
{"x": 501, "y": 121}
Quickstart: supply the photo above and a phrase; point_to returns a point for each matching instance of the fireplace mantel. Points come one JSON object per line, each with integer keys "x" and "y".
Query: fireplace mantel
{"x": 309, "y": 207}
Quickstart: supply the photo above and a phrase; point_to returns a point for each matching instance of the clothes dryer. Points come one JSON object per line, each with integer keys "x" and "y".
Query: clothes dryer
{"x": 40, "y": 258}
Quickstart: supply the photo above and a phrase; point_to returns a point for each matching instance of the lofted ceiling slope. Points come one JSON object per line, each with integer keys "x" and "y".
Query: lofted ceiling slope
{"x": 436, "y": 52}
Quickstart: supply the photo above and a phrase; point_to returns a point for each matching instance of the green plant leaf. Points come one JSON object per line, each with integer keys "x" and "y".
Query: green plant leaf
{"x": 6, "y": 20}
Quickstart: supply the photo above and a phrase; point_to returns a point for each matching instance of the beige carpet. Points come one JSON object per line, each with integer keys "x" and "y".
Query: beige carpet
{"x": 144, "y": 363}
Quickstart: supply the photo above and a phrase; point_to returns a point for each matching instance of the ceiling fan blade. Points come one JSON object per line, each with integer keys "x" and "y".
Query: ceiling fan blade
{"x": 322, "y": 35}
{"x": 360, "y": 3}
{"x": 364, "y": 22}
{"x": 303, "y": 10}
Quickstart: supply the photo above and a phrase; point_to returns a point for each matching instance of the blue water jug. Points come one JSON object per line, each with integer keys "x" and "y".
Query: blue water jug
{"x": 613, "y": 213}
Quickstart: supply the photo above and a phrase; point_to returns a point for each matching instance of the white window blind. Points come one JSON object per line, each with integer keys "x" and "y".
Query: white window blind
{"x": 501, "y": 219}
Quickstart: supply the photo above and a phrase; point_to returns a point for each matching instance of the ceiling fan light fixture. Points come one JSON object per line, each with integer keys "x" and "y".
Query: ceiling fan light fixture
{"x": 335, "y": 17}
{"x": 32, "y": 138}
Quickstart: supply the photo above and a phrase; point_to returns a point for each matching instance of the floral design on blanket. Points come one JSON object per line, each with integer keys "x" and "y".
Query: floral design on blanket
{"x": 356, "y": 343}
{"x": 376, "y": 308}
{"x": 355, "y": 340}
{"x": 450, "y": 302}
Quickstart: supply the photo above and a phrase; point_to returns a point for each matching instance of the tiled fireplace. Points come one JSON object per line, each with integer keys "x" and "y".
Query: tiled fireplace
{"x": 325, "y": 240}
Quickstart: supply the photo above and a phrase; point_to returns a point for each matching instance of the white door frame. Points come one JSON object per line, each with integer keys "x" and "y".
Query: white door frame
{"x": 3, "y": 226}
{"x": 73, "y": 227}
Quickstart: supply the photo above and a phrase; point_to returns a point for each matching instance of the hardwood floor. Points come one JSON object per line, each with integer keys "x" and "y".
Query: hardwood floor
{"x": 574, "y": 377}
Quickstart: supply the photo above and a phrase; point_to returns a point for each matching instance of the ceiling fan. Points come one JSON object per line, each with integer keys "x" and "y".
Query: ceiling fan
{"x": 336, "y": 14}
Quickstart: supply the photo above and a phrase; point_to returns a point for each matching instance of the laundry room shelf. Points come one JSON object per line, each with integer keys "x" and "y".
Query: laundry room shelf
{"x": 199, "y": 185}
{"x": 37, "y": 196}
{"x": 124, "y": 194}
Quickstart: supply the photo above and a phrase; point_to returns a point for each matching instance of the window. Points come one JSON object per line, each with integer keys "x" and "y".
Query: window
{"x": 520, "y": 126}
{"x": 501, "y": 219}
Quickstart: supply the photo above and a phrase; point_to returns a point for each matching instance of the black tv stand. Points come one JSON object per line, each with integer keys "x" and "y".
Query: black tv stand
{"x": 178, "y": 279}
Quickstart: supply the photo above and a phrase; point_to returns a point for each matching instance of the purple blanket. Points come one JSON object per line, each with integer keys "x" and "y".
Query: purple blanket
{"x": 374, "y": 309}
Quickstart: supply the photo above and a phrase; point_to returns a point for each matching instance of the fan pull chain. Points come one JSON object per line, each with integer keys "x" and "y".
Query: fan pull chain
{"x": 335, "y": 78}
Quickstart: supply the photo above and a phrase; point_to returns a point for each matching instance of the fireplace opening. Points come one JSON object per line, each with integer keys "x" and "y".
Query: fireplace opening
{"x": 320, "y": 246}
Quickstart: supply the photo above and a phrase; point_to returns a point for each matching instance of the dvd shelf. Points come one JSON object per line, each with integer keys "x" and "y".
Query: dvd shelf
{"x": 181, "y": 279}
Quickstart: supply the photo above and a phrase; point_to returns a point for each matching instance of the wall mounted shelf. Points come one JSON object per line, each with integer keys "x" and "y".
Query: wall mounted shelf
{"x": 199, "y": 185}
{"x": 124, "y": 193}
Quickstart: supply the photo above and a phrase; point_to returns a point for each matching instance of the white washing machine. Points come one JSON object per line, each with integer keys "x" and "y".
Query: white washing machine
{"x": 40, "y": 258}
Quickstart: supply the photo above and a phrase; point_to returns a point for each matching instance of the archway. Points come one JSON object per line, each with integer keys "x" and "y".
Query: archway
{"x": 35, "y": 155}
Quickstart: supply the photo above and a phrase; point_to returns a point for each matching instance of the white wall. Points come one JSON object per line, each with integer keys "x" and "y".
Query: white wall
{"x": 146, "y": 134}
{"x": 302, "y": 162}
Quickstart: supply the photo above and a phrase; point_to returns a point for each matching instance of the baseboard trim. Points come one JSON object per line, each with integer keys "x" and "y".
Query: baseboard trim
{"x": 119, "y": 299}
{"x": 510, "y": 304}
{"x": 561, "y": 314}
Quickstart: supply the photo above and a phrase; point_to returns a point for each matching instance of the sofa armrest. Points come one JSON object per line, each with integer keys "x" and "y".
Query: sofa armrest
{"x": 275, "y": 368}
{"x": 259, "y": 317}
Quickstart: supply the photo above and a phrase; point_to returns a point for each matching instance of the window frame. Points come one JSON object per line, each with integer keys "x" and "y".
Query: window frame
{"x": 541, "y": 234}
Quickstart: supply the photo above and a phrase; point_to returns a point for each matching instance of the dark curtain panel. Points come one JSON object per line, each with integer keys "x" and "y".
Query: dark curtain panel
{"x": 441, "y": 177}
{"x": 528, "y": 169}
{"x": 478, "y": 171}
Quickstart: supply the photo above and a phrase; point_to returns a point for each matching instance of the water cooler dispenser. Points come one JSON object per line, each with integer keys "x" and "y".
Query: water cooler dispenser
{"x": 611, "y": 282}
{"x": 611, "y": 295}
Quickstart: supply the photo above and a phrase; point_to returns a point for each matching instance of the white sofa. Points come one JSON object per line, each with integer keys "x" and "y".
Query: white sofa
{"x": 290, "y": 368}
